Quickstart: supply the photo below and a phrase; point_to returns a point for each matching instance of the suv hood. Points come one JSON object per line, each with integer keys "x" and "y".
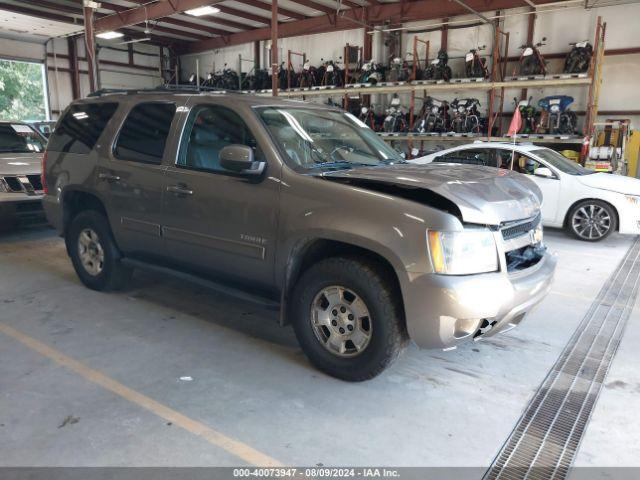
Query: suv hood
{"x": 483, "y": 195}
{"x": 20, "y": 163}
{"x": 614, "y": 183}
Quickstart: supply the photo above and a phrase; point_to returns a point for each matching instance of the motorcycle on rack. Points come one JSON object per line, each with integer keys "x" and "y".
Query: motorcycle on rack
{"x": 372, "y": 73}
{"x": 466, "y": 116}
{"x": 433, "y": 116}
{"x": 531, "y": 60}
{"x": 227, "y": 80}
{"x": 556, "y": 118}
{"x": 578, "y": 58}
{"x": 331, "y": 74}
{"x": 527, "y": 113}
{"x": 260, "y": 80}
{"x": 438, "y": 68}
{"x": 369, "y": 117}
{"x": 282, "y": 77}
{"x": 399, "y": 70}
{"x": 396, "y": 120}
{"x": 307, "y": 77}
{"x": 193, "y": 80}
{"x": 474, "y": 65}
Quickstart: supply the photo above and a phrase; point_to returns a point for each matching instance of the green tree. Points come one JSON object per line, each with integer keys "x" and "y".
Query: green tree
{"x": 21, "y": 91}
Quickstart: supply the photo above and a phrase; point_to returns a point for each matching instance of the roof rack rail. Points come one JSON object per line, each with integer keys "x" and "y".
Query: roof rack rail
{"x": 162, "y": 88}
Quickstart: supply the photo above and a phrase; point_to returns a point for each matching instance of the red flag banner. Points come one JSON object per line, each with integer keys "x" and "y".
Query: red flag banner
{"x": 516, "y": 123}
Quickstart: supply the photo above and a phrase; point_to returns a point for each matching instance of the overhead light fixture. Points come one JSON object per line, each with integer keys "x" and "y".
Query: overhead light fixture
{"x": 135, "y": 40}
{"x": 201, "y": 11}
{"x": 109, "y": 35}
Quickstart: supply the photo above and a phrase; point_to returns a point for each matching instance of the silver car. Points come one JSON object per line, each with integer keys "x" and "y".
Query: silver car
{"x": 21, "y": 150}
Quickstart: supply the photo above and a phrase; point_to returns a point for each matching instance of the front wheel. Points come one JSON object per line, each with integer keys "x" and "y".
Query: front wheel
{"x": 592, "y": 220}
{"x": 94, "y": 254}
{"x": 348, "y": 318}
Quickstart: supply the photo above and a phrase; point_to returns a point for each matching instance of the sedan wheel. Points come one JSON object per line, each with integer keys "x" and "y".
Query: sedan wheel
{"x": 592, "y": 221}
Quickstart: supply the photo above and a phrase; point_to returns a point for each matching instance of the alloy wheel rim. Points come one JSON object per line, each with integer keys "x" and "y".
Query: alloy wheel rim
{"x": 341, "y": 321}
{"x": 591, "y": 222}
{"x": 91, "y": 252}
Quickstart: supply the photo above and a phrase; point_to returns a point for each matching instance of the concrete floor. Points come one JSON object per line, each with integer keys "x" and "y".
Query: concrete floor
{"x": 122, "y": 402}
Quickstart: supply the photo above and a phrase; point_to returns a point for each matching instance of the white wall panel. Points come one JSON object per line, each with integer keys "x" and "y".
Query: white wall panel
{"x": 21, "y": 50}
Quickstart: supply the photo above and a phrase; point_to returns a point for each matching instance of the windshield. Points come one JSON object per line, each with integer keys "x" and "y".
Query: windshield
{"x": 20, "y": 138}
{"x": 561, "y": 162}
{"x": 325, "y": 139}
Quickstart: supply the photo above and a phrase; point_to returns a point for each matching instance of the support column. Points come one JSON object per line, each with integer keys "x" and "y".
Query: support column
{"x": 531, "y": 26}
{"x": 274, "y": 47}
{"x": 90, "y": 45}
{"x": 444, "y": 35}
{"x": 73, "y": 65}
{"x": 256, "y": 55}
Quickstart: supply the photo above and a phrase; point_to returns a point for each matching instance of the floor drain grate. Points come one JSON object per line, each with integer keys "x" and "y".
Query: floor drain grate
{"x": 546, "y": 438}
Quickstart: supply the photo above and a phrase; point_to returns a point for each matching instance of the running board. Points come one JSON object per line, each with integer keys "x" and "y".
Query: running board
{"x": 210, "y": 284}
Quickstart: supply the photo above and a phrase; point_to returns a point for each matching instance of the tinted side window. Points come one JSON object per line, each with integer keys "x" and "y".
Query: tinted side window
{"x": 81, "y": 126}
{"x": 144, "y": 133}
{"x": 209, "y": 129}
{"x": 479, "y": 156}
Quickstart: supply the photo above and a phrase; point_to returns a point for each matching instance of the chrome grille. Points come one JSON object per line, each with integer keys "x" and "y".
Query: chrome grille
{"x": 29, "y": 184}
{"x": 36, "y": 182}
{"x": 511, "y": 231}
{"x": 545, "y": 440}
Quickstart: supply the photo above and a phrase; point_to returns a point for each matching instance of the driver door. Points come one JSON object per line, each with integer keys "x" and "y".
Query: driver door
{"x": 550, "y": 186}
{"x": 216, "y": 221}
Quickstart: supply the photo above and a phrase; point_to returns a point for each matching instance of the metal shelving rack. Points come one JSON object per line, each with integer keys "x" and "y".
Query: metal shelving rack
{"x": 495, "y": 87}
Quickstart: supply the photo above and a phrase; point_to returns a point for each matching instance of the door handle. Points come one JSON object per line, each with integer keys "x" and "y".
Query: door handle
{"x": 179, "y": 190}
{"x": 108, "y": 177}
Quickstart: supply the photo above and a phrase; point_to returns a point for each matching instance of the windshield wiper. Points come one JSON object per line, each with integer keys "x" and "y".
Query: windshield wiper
{"x": 340, "y": 164}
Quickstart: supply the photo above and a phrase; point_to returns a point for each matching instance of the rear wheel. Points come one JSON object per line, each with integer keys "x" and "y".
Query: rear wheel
{"x": 347, "y": 318}
{"x": 94, "y": 253}
{"x": 592, "y": 220}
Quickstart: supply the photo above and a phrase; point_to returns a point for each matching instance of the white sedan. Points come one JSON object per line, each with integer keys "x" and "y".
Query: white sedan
{"x": 587, "y": 204}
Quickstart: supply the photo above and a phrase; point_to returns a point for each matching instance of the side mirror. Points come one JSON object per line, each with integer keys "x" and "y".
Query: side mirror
{"x": 239, "y": 159}
{"x": 544, "y": 172}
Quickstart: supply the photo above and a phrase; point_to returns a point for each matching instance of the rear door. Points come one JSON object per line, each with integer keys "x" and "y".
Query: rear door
{"x": 215, "y": 221}
{"x": 550, "y": 187}
{"x": 132, "y": 177}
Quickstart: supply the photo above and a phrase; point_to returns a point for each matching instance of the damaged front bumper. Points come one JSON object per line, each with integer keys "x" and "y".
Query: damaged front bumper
{"x": 443, "y": 311}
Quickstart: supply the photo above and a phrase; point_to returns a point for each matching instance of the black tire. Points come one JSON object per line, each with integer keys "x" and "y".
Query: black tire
{"x": 568, "y": 122}
{"x": 388, "y": 335}
{"x": 113, "y": 275}
{"x": 573, "y": 226}
{"x": 446, "y": 74}
{"x": 429, "y": 73}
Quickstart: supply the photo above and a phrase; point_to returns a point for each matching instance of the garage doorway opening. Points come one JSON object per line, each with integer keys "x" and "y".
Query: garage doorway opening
{"x": 22, "y": 91}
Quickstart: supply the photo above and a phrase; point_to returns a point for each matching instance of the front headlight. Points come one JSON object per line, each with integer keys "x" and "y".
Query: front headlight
{"x": 463, "y": 253}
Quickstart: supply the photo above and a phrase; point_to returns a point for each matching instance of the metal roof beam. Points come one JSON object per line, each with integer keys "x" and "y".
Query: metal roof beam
{"x": 243, "y": 14}
{"x": 317, "y": 6}
{"x": 186, "y": 23}
{"x": 348, "y": 19}
{"x": 148, "y": 12}
{"x": 266, "y": 6}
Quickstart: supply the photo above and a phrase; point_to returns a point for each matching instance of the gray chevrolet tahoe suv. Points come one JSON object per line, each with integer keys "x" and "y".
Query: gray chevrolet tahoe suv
{"x": 300, "y": 207}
